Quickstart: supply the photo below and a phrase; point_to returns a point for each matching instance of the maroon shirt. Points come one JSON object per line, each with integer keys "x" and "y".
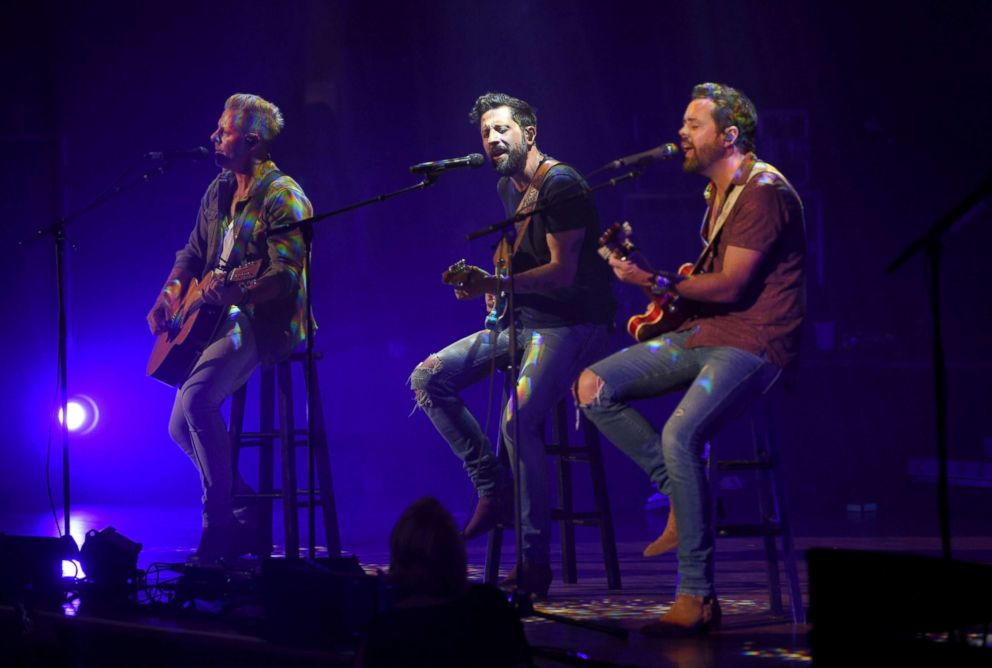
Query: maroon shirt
{"x": 766, "y": 320}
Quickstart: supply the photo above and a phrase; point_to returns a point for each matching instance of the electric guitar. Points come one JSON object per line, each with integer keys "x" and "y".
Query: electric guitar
{"x": 192, "y": 325}
{"x": 460, "y": 274}
{"x": 665, "y": 312}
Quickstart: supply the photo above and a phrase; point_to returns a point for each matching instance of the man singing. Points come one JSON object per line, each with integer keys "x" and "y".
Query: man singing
{"x": 263, "y": 320}
{"x": 748, "y": 305}
{"x": 563, "y": 305}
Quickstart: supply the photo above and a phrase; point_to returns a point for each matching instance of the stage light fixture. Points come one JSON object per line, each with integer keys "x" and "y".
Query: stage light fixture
{"x": 83, "y": 414}
{"x": 108, "y": 558}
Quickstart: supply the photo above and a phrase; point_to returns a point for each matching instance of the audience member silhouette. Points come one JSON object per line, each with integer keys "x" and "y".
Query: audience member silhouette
{"x": 439, "y": 619}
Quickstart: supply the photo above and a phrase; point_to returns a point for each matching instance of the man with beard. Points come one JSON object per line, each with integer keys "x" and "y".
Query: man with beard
{"x": 748, "y": 306}
{"x": 563, "y": 303}
{"x": 263, "y": 320}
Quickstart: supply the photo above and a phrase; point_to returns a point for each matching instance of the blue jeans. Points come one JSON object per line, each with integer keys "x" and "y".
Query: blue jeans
{"x": 197, "y": 424}
{"x": 551, "y": 358}
{"x": 720, "y": 381}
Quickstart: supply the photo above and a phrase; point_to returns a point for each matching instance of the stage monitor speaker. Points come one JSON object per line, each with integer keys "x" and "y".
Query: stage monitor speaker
{"x": 895, "y": 606}
{"x": 31, "y": 568}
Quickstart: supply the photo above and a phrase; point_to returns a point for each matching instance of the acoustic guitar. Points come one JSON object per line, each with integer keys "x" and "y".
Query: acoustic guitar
{"x": 193, "y": 325}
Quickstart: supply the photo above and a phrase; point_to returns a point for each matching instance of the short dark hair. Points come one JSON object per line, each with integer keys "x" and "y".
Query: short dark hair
{"x": 730, "y": 107}
{"x": 523, "y": 114}
{"x": 426, "y": 551}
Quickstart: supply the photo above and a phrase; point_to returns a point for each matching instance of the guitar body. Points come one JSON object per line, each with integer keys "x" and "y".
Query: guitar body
{"x": 664, "y": 314}
{"x": 192, "y": 326}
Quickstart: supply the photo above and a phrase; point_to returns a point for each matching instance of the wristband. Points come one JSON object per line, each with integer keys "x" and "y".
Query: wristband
{"x": 661, "y": 283}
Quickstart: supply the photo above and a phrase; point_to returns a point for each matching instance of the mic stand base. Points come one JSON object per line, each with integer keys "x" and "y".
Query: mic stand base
{"x": 523, "y": 605}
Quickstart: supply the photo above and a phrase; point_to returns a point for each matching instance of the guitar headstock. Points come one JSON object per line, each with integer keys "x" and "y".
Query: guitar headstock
{"x": 458, "y": 274}
{"x": 616, "y": 241}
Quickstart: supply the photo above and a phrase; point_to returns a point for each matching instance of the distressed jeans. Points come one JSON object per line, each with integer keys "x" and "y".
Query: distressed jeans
{"x": 551, "y": 358}
{"x": 197, "y": 424}
{"x": 720, "y": 381}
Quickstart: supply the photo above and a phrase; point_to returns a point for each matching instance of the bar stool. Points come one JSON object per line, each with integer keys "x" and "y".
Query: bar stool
{"x": 772, "y": 507}
{"x": 564, "y": 511}
{"x": 273, "y": 380}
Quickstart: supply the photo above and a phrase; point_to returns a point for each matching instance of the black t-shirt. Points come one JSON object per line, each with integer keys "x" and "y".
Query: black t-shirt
{"x": 590, "y": 297}
{"x": 478, "y": 629}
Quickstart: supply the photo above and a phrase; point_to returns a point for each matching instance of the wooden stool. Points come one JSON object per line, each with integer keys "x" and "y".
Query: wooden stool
{"x": 273, "y": 379}
{"x": 772, "y": 507}
{"x": 564, "y": 512}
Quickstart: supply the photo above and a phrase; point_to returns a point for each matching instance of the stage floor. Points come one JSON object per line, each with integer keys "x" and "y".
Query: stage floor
{"x": 751, "y": 635}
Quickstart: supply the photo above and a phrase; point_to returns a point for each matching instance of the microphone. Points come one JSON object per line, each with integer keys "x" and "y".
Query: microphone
{"x": 198, "y": 153}
{"x": 641, "y": 159}
{"x": 474, "y": 160}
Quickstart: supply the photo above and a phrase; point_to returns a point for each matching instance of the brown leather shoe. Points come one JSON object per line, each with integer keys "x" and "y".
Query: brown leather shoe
{"x": 488, "y": 514}
{"x": 668, "y": 540}
{"x": 536, "y": 579}
{"x": 688, "y": 616}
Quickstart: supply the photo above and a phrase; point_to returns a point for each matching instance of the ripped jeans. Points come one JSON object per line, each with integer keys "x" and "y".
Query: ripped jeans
{"x": 551, "y": 358}
{"x": 721, "y": 381}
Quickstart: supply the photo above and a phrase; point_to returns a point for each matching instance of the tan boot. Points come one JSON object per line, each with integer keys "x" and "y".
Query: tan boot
{"x": 668, "y": 540}
{"x": 688, "y": 616}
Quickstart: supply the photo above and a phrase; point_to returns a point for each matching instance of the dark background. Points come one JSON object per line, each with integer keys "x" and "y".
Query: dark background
{"x": 877, "y": 114}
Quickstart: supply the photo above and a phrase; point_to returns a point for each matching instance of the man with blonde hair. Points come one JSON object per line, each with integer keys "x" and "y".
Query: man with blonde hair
{"x": 263, "y": 320}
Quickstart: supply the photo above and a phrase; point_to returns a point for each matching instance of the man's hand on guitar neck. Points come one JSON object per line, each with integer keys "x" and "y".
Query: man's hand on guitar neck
{"x": 470, "y": 281}
{"x": 633, "y": 270}
{"x": 480, "y": 283}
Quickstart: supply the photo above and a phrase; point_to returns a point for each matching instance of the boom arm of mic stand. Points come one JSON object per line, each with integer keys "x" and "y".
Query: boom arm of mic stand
{"x": 428, "y": 180}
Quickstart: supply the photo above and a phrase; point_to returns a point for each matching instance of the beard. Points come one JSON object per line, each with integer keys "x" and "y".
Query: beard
{"x": 512, "y": 161}
{"x": 702, "y": 157}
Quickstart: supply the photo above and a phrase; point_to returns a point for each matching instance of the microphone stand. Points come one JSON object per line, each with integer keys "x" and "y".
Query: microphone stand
{"x": 931, "y": 244}
{"x": 306, "y": 227}
{"x": 520, "y": 599}
{"x": 57, "y": 232}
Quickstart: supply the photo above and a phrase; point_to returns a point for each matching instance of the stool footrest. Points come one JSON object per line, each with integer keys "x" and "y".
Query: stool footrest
{"x": 744, "y": 465}
{"x": 569, "y": 452}
{"x": 249, "y": 438}
{"x": 585, "y": 519}
{"x": 748, "y": 530}
{"x": 274, "y": 494}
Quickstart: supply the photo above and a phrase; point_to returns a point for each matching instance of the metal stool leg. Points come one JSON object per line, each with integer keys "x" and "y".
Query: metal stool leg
{"x": 566, "y": 501}
{"x": 322, "y": 456}
{"x": 607, "y": 535}
{"x": 767, "y": 508}
{"x": 781, "y": 506}
{"x": 287, "y": 451}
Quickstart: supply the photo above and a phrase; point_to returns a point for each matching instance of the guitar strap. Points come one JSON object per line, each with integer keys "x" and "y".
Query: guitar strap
{"x": 527, "y": 204}
{"x": 759, "y": 167}
{"x": 245, "y": 222}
